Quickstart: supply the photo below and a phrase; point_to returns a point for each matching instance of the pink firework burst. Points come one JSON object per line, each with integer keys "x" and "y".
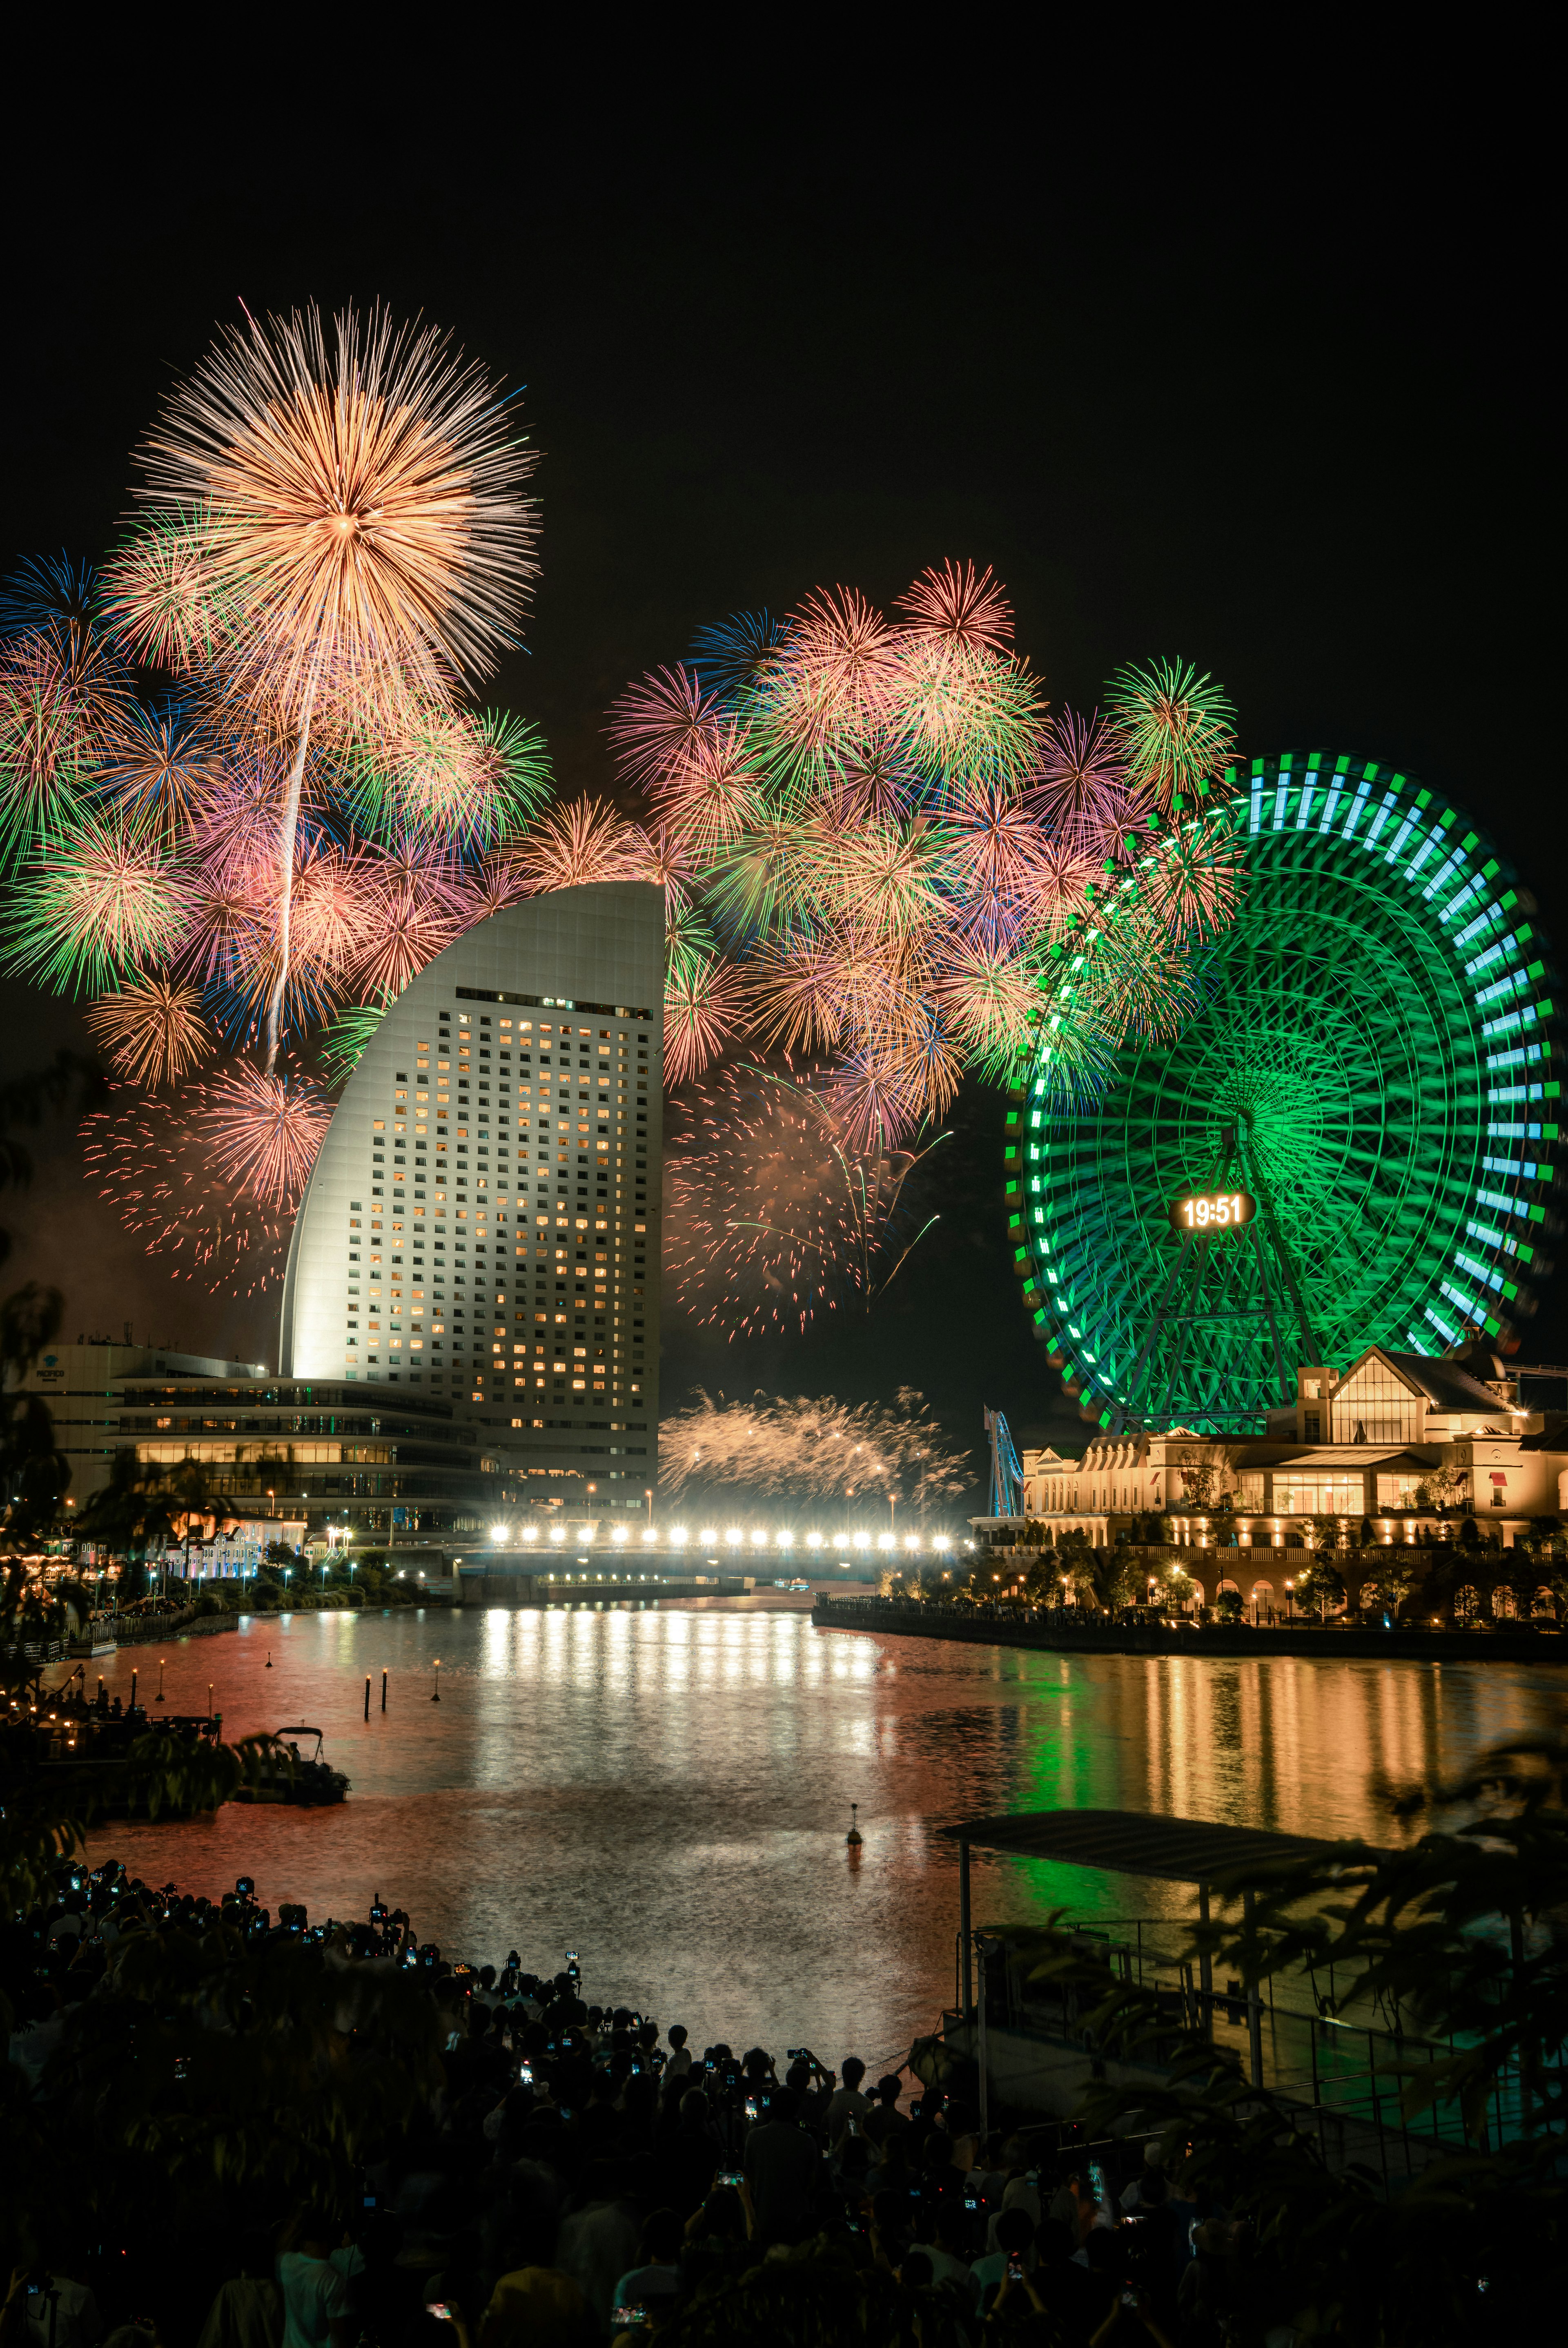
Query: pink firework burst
{"x": 263, "y": 1131}
{"x": 996, "y": 857}
{"x": 417, "y": 907}
{"x": 662, "y": 856}
{"x": 660, "y": 728}
{"x": 335, "y": 906}
{"x": 1079, "y": 779}
{"x": 885, "y": 1091}
{"x": 839, "y": 667}
{"x": 716, "y": 796}
{"x": 957, "y": 610}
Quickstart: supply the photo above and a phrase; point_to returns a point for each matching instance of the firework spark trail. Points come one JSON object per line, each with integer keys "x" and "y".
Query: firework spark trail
{"x": 814, "y": 1449}
{"x": 775, "y": 1213}
{"x": 149, "y": 1160}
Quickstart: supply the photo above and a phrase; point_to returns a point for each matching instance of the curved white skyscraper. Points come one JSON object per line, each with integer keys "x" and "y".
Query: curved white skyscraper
{"x": 482, "y": 1222}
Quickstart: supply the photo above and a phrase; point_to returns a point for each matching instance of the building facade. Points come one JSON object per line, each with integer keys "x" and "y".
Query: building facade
{"x": 1384, "y": 1443}
{"x": 84, "y": 1386}
{"x": 382, "y": 1465}
{"x": 482, "y": 1224}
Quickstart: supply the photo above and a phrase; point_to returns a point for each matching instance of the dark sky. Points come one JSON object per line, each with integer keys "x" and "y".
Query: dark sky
{"x": 1214, "y": 361}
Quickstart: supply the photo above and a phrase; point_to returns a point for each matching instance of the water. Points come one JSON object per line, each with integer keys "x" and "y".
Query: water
{"x": 667, "y": 1791}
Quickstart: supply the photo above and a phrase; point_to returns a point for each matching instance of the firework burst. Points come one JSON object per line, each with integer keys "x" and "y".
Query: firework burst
{"x": 263, "y": 1131}
{"x": 581, "y": 842}
{"x": 108, "y": 899}
{"x": 360, "y": 505}
{"x": 153, "y": 1034}
{"x": 775, "y": 1214}
{"x": 819, "y": 1448}
{"x": 360, "y": 539}
{"x": 1176, "y": 729}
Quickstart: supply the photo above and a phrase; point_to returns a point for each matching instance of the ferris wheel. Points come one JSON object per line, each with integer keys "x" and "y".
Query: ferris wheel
{"x": 1349, "y": 1142}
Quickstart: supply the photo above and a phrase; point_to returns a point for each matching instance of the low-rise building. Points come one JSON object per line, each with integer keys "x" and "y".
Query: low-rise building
{"x": 1393, "y": 1442}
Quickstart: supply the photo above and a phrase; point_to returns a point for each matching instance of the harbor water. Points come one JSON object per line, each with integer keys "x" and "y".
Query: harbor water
{"x": 667, "y": 1790}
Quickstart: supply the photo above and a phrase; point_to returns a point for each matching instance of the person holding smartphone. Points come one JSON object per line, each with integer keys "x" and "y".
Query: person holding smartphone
{"x": 1015, "y": 2248}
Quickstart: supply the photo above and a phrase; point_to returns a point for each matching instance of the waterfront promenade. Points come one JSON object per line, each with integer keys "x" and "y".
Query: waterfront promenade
{"x": 1064, "y": 1629}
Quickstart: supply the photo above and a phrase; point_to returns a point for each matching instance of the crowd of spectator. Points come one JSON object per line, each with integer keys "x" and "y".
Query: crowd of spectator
{"x": 579, "y": 2175}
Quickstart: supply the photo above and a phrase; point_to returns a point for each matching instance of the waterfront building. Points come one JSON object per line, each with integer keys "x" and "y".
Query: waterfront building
{"x": 382, "y": 1465}
{"x": 84, "y": 1386}
{"x": 1389, "y": 1443}
{"x": 482, "y": 1224}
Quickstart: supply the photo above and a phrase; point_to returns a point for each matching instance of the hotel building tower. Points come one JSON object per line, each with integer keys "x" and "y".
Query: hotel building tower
{"x": 482, "y": 1222}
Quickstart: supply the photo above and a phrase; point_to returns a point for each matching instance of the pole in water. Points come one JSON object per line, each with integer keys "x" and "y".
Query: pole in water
{"x": 854, "y": 1838}
{"x": 158, "y": 1697}
{"x": 367, "y": 1696}
{"x": 133, "y": 1691}
{"x": 269, "y": 1659}
{"x": 436, "y": 1691}
{"x": 209, "y": 1699}
{"x": 384, "y": 1691}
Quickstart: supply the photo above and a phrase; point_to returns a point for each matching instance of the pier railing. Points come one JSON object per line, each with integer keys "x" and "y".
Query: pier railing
{"x": 1344, "y": 2065}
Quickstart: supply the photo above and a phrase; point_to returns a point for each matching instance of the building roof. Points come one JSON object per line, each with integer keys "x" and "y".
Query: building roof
{"x": 1133, "y": 1842}
{"x": 1314, "y": 1456}
{"x": 1446, "y": 1385}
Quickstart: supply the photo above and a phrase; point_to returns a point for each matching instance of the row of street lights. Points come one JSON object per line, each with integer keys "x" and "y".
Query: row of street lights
{"x": 737, "y": 1537}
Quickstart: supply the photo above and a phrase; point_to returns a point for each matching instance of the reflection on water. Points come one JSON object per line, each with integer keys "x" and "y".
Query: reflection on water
{"x": 668, "y": 1791}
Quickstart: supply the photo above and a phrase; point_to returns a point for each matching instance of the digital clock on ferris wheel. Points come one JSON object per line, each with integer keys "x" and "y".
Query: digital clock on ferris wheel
{"x": 1214, "y": 1210}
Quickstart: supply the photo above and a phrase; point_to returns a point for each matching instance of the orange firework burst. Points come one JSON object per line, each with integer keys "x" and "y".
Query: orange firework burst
{"x": 359, "y": 502}
{"x": 153, "y": 1034}
{"x": 585, "y": 840}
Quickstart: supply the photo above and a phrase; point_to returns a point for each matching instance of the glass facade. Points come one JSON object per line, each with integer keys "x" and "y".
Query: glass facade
{"x": 1333, "y": 1493}
{"x": 1373, "y": 1406}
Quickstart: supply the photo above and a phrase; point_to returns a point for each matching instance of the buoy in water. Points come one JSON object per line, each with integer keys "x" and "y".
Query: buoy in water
{"x": 854, "y": 1838}
{"x": 269, "y": 1659}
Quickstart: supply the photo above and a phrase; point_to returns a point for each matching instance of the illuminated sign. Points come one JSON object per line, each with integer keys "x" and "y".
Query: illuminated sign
{"x": 1224, "y": 1211}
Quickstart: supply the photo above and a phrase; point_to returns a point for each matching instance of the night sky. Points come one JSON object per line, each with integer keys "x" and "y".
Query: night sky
{"x": 1249, "y": 379}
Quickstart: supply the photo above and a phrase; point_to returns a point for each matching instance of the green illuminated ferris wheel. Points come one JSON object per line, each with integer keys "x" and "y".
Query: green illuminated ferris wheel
{"x": 1349, "y": 1143}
